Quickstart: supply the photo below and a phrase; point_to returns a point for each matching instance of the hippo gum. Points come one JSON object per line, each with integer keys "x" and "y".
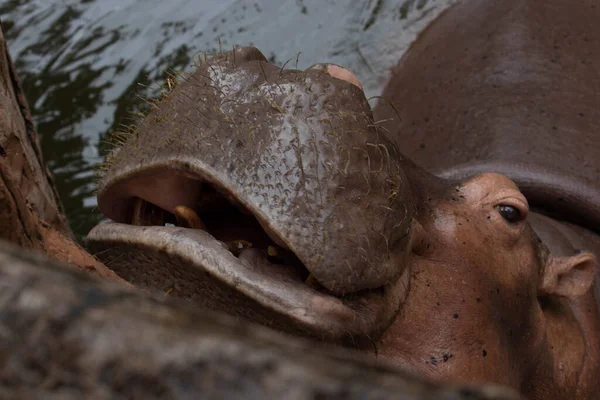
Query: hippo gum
{"x": 452, "y": 230}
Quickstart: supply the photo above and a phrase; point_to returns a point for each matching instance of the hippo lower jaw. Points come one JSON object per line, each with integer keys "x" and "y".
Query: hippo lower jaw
{"x": 198, "y": 265}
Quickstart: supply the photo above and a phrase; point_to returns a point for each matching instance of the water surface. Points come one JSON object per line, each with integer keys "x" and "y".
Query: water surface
{"x": 86, "y": 64}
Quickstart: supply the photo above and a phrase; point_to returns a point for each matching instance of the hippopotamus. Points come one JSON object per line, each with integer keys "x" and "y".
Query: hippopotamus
{"x": 453, "y": 229}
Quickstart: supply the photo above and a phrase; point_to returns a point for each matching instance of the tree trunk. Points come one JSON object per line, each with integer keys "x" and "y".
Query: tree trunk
{"x": 30, "y": 211}
{"x": 27, "y": 184}
{"x": 67, "y": 335}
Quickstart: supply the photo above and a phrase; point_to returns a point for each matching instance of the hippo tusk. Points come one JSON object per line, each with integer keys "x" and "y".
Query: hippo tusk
{"x": 188, "y": 218}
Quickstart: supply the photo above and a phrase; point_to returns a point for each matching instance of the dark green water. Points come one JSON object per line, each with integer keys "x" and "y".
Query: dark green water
{"x": 85, "y": 65}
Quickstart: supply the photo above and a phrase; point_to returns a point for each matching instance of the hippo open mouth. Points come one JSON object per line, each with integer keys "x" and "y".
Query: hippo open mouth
{"x": 212, "y": 250}
{"x": 265, "y": 193}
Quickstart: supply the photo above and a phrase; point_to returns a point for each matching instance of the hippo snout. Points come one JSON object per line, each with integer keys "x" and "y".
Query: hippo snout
{"x": 284, "y": 162}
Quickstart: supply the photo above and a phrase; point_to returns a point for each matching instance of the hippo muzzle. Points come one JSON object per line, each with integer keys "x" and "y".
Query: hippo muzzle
{"x": 249, "y": 183}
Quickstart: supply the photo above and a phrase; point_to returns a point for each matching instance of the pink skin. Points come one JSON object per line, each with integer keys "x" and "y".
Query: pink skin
{"x": 466, "y": 319}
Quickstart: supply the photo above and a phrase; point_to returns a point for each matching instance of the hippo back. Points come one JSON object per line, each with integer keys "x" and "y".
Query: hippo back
{"x": 511, "y": 87}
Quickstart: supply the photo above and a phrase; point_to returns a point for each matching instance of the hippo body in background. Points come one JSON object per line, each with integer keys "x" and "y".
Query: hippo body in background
{"x": 512, "y": 90}
{"x": 396, "y": 231}
{"x": 512, "y": 87}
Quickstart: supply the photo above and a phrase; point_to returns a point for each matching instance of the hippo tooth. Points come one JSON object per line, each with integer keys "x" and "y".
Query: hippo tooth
{"x": 136, "y": 218}
{"x": 236, "y": 246}
{"x": 188, "y": 218}
{"x": 274, "y": 253}
{"x": 147, "y": 214}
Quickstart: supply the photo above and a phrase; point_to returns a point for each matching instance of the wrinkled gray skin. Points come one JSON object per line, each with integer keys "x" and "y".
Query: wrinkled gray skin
{"x": 299, "y": 152}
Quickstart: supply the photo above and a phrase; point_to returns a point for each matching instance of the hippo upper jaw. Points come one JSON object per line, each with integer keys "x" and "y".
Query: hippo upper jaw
{"x": 191, "y": 263}
{"x": 154, "y": 247}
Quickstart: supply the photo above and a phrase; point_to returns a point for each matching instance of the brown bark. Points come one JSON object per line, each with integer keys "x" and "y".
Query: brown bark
{"x": 28, "y": 186}
{"x": 66, "y": 335}
{"x": 30, "y": 211}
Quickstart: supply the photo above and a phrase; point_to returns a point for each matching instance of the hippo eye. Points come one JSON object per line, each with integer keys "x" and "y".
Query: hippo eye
{"x": 510, "y": 213}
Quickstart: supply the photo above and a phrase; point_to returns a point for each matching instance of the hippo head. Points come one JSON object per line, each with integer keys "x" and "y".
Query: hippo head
{"x": 273, "y": 194}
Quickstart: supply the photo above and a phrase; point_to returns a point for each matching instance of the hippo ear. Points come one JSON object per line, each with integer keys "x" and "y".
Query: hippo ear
{"x": 569, "y": 276}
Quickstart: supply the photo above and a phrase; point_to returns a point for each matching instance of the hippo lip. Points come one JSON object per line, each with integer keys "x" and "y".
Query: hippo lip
{"x": 197, "y": 264}
{"x": 267, "y": 285}
{"x": 296, "y": 152}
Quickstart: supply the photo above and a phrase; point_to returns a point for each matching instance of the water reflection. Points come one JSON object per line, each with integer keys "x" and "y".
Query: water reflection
{"x": 85, "y": 64}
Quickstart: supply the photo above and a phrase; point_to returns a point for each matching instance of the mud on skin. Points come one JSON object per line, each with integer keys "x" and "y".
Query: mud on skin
{"x": 275, "y": 195}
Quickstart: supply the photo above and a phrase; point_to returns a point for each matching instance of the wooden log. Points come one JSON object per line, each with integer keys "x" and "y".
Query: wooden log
{"x": 27, "y": 184}
{"x": 67, "y": 335}
{"x": 30, "y": 212}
